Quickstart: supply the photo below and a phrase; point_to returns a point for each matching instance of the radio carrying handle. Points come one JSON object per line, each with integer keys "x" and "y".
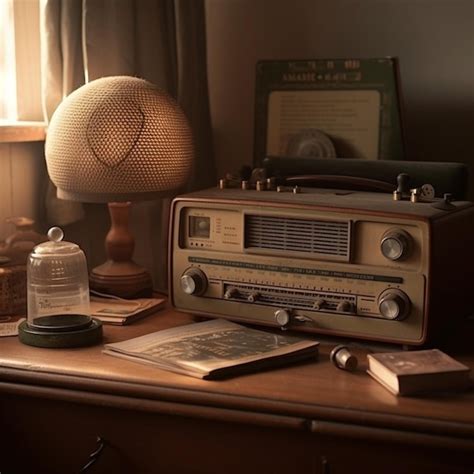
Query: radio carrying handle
{"x": 343, "y": 182}
{"x": 445, "y": 177}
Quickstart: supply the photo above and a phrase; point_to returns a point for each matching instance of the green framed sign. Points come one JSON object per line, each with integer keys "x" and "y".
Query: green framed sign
{"x": 344, "y": 108}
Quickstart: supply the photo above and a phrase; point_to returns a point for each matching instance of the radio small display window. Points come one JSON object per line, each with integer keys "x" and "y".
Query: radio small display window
{"x": 199, "y": 227}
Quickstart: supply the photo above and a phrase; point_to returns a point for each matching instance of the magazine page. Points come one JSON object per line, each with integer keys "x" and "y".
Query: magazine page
{"x": 210, "y": 345}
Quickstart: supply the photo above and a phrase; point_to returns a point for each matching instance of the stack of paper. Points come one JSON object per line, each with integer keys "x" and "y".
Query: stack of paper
{"x": 120, "y": 311}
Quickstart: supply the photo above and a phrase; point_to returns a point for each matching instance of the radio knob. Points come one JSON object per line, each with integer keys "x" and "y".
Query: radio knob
{"x": 282, "y": 317}
{"x": 253, "y": 297}
{"x": 231, "y": 293}
{"x": 396, "y": 244}
{"x": 394, "y": 304}
{"x": 345, "y": 306}
{"x": 319, "y": 304}
{"x": 194, "y": 282}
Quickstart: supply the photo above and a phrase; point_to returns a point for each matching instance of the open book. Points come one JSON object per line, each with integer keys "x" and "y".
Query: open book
{"x": 213, "y": 349}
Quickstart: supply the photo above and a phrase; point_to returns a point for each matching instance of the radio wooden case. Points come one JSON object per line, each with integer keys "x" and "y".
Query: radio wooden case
{"x": 336, "y": 262}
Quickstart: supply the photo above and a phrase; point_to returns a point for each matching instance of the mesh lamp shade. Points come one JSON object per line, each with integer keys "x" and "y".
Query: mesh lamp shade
{"x": 115, "y": 140}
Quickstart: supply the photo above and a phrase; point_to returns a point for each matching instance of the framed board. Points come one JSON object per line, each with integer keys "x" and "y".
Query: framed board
{"x": 328, "y": 108}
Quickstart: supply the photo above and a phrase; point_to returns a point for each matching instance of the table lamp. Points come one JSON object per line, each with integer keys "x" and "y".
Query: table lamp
{"x": 116, "y": 140}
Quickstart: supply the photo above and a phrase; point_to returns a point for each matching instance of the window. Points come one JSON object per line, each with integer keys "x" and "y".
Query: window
{"x": 20, "y": 78}
{"x": 8, "y": 108}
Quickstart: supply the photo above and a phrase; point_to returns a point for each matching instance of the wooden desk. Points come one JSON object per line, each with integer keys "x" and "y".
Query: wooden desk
{"x": 307, "y": 418}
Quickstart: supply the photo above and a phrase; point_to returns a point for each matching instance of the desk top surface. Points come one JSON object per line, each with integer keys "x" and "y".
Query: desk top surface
{"x": 312, "y": 390}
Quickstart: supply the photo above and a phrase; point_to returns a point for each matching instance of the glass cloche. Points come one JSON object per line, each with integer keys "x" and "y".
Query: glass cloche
{"x": 58, "y": 303}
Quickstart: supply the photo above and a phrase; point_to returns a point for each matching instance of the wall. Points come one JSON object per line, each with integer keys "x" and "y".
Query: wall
{"x": 433, "y": 39}
{"x": 21, "y": 170}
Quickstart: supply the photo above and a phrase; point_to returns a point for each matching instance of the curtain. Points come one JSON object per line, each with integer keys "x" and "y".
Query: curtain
{"x": 162, "y": 41}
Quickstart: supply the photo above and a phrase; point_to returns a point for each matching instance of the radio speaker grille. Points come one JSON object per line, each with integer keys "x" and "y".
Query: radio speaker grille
{"x": 322, "y": 238}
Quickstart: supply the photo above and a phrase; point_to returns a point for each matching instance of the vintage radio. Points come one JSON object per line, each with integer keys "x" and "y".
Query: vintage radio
{"x": 369, "y": 265}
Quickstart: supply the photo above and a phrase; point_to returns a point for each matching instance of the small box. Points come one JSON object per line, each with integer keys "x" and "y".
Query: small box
{"x": 13, "y": 289}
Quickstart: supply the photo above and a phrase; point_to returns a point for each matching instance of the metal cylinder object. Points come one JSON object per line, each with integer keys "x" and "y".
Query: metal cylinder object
{"x": 342, "y": 358}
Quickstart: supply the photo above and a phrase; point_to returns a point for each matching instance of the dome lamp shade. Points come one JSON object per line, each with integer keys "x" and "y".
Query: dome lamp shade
{"x": 118, "y": 139}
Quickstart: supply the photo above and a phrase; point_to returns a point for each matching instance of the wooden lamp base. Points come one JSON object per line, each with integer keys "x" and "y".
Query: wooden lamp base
{"x": 119, "y": 275}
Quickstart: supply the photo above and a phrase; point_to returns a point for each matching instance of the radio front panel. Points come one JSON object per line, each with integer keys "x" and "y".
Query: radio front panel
{"x": 325, "y": 236}
{"x": 358, "y": 274}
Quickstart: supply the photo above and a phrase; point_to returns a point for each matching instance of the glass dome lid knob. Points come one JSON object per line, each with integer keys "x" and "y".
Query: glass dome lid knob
{"x": 55, "y": 234}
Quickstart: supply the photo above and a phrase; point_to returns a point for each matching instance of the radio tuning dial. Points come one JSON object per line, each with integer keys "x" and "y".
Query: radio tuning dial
{"x": 396, "y": 244}
{"x": 193, "y": 282}
{"x": 394, "y": 304}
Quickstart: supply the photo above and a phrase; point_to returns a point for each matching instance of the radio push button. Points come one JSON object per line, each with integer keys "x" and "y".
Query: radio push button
{"x": 193, "y": 282}
{"x": 394, "y": 304}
